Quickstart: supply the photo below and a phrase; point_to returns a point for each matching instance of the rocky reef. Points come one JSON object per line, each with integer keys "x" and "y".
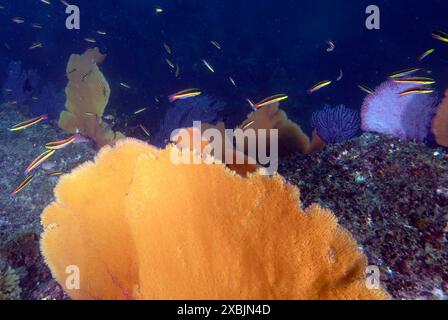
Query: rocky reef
{"x": 390, "y": 194}
{"x": 20, "y": 215}
{"x": 393, "y": 197}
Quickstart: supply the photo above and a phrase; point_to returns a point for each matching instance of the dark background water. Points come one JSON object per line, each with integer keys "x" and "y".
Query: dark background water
{"x": 268, "y": 47}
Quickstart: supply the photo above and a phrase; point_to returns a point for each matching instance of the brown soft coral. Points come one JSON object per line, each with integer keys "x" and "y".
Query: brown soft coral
{"x": 440, "y": 123}
{"x": 139, "y": 226}
{"x": 87, "y": 96}
{"x": 291, "y": 138}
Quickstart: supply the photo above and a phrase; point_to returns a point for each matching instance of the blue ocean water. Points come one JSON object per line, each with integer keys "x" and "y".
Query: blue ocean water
{"x": 267, "y": 47}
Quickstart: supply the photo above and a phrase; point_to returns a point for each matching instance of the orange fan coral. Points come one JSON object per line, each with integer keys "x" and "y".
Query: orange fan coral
{"x": 87, "y": 96}
{"x": 138, "y": 226}
{"x": 440, "y": 123}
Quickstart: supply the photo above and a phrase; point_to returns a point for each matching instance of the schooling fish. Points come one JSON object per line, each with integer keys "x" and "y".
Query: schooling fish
{"x": 36, "y": 25}
{"x": 170, "y": 63}
{"x": 251, "y": 103}
{"x": 208, "y": 65}
{"x": 440, "y": 35}
{"x": 319, "y": 86}
{"x": 91, "y": 40}
{"x": 216, "y": 45}
{"x": 271, "y": 100}
{"x": 125, "y": 85}
{"x": 425, "y": 54}
{"x": 28, "y": 123}
{"x": 415, "y": 80}
{"x": 36, "y": 45}
{"x": 366, "y": 89}
{"x": 18, "y": 20}
{"x": 341, "y": 75}
{"x": 144, "y": 130}
{"x": 56, "y": 145}
{"x": 232, "y": 81}
{"x": 100, "y": 32}
{"x": 184, "y": 94}
{"x": 417, "y": 90}
{"x": 331, "y": 46}
{"x": 140, "y": 110}
{"x": 22, "y": 185}
{"x": 39, "y": 160}
{"x": 247, "y": 125}
{"x": 167, "y": 48}
{"x": 404, "y": 73}
{"x": 55, "y": 173}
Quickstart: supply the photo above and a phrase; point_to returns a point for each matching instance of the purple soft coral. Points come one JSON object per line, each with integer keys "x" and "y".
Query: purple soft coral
{"x": 407, "y": 117}
{"x": 335, "y": 125}
{"x": 20, "y": 84}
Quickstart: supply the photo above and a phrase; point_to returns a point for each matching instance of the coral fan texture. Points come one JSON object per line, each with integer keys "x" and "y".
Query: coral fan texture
{"x": 337, "y": 124}
{"x": 204, "y": 233}
{"x": 406, "y": 117}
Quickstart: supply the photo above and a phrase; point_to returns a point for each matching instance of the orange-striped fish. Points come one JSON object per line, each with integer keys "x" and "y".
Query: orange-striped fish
{"x": 248, "y": 124}
{"x": 55, "y": 173}
{"x": 56, "y": 145}
{"x": 271, "y": 100}
{"x": 184, "y": 94}
{"x": 28, "y": 123}
{"x": 417, "y": 90}
{"x": 319, "y": 86}
{"x": 403, "y": 73}
{"x": 22, "y": 185}
{"x": 425, "y": 54}
{"x": 440, "y": 35}
{"x": 415, "y": 80}
{"x": 39, "y": 160}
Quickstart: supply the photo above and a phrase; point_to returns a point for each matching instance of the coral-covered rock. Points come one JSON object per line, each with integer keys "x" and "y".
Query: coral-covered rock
{"x": 393, "y": 196}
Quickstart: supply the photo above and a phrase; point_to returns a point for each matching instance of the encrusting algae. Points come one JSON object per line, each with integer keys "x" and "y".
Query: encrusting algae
{"x": 87, "y": 93}
{"x": 140, "y": 227}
